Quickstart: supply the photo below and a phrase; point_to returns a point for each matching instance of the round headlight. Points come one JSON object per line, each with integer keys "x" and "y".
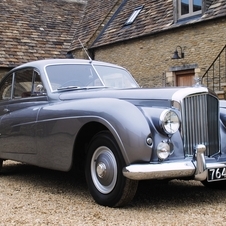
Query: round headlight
{"x": 169, "y": 121}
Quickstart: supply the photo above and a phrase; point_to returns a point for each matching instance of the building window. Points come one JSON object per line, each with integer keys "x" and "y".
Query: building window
{"x": 133, "y": 16}
{"x": 188, "y": 8}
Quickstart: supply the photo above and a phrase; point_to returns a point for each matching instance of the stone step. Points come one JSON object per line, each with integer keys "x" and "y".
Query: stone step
{"x": 220, "y": 94}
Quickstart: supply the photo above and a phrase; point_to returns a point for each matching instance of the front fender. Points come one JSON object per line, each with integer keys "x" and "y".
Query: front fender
{"x": 127, "y": 124}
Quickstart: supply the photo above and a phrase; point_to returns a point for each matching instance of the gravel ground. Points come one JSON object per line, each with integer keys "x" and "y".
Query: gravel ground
{"x": 33, "y": 196}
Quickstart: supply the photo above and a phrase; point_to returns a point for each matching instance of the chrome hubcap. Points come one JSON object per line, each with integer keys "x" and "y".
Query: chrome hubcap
{"x": 101, "y": 169}
{"x": 104, "y": 169}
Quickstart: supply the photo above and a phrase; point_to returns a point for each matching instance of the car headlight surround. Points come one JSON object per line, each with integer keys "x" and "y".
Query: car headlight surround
{"x": 169, "y": 121}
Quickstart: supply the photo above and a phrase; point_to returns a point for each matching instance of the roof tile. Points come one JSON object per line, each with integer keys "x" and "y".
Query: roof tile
{"x": 36, "y": 26}
{"x": 94, "y": 17}
{"x": 156, "y": 16}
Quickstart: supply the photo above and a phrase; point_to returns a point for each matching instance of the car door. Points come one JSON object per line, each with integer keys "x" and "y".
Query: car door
{"x": 19, "y": 106}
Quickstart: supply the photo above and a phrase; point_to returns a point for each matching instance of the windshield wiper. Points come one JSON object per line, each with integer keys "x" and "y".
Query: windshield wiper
{"x": 70, "y": 87}
{"x": 66, "y": 88}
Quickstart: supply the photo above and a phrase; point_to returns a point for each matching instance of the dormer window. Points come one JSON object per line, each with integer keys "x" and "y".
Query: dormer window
{"x": 133, "y": 16}
{"x": 188, "y": 8}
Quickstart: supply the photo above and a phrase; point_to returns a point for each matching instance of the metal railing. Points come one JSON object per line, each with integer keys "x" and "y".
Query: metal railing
{"x": 216, "y": 73}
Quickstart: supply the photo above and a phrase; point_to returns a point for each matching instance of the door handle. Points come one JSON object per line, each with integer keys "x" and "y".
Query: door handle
{"x": 6, "y": 110}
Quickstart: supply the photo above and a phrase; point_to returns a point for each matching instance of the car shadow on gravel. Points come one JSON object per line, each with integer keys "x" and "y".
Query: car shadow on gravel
{"x": 178, "y": 193}
{"x": 150, "y": 193}
{"x": 51, "y": 180}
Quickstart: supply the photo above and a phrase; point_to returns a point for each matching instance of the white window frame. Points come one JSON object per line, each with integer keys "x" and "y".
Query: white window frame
{"x": 191, "y": 13}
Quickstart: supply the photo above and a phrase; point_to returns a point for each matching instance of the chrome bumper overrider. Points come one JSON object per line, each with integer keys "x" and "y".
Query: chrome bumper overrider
{"x": 195, "y": 168}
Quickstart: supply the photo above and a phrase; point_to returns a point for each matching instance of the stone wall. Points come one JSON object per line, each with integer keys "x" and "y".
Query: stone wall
{"x": 149, "y": 58}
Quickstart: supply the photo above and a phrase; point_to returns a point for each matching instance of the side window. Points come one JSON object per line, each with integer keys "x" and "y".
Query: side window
{"x": 6, "y": 88}
{"x": 22, "y": 83}
{"x": 27, "y": 83}
{"x": 37, "y": 88}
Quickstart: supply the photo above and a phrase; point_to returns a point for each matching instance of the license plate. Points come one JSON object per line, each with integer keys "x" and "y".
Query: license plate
{"x": 216, "y": 174}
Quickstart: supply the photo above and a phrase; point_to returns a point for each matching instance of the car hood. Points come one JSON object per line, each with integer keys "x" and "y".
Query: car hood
{"x": 176, "y": 93}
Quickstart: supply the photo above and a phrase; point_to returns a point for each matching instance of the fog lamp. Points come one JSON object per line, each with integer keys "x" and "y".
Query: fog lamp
{"x": 163, "y": 150}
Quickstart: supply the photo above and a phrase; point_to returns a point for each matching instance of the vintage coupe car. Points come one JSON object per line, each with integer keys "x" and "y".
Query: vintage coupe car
{"x": 61, "y": 112}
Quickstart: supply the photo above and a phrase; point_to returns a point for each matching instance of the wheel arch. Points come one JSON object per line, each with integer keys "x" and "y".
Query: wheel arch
{"x": 126, "y": 122}
{"x": 83, "y": 138}
{"x": 86, "y": 133}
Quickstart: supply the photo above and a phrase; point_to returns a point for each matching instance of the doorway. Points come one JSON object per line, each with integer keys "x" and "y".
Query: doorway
{"x": 185, "y": 78}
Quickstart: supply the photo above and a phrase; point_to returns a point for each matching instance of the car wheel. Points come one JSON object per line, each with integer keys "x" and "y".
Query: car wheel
{"x": 104, "y": 176}
{"x": 215, "y": 185}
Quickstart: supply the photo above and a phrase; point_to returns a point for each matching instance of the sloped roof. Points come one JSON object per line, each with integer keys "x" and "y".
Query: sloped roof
{"x": 95, "y": 14}
{"x": 156, "y": 16}
{"x": 216, "y": 9}
{"x": 36, "y": 29}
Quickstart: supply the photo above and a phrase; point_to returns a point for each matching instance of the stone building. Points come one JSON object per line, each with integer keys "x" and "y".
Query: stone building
{"x": 36, "y": 29}
{"x": 144, "y": 35}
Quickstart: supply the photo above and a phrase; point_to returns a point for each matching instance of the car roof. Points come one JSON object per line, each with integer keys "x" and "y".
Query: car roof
{"x": 43, "y": 63}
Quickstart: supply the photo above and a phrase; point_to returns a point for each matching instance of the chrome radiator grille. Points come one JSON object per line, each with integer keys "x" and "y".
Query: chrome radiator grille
{"x": 200, "y": 123}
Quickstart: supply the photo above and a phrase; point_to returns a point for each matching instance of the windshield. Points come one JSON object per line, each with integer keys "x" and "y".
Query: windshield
{"x": 115, "y": 77}
{"x": 72, "y": 76}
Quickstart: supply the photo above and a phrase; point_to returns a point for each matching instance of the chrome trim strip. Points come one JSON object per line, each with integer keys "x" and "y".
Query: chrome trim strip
{"x": 215, "y": 165}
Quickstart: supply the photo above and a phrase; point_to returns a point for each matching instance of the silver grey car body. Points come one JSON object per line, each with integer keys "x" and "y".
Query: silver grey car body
{"x": 62, "y": 112}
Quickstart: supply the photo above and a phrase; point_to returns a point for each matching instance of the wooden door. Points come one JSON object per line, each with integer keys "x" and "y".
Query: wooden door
{"x": 185, "y": 78}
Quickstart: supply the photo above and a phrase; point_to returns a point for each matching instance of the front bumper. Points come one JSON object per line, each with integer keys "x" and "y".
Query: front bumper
{"x": 195, "y": 168}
